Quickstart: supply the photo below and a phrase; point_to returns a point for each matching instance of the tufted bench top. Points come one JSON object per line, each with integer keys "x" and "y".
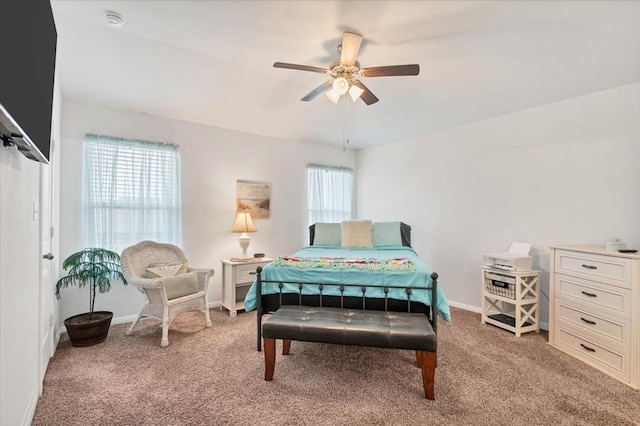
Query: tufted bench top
{"x": 397, "y": 330}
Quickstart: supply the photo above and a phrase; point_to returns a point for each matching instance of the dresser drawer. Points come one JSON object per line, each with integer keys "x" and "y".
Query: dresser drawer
{"x": 610, "y": 361}
{"x": 613, "y": 270}
{"x": 597, "y": 297}
{"x": 616, "y": 330}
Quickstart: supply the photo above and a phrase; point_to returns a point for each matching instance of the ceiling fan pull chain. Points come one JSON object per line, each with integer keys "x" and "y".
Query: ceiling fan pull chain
{"x": 345, "y": 124}
{"x": 346, "y": 101}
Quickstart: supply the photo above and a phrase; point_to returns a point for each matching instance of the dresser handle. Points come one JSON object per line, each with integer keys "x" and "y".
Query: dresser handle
{"x": 587, "y": 347}
{"x": 588, "y": 321}
{"x": 589, "y": 266}
{"x": 589, "y": 294}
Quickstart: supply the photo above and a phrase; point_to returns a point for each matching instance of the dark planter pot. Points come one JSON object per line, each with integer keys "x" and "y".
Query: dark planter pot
{"x": 88, "y": 329}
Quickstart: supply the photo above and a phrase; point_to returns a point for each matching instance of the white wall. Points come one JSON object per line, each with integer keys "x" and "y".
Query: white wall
{"x": 212, "y": 160}
{"x": 563, "y": 173}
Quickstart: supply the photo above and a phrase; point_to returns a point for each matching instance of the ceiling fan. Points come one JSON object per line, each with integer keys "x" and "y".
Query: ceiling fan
{"x": 345, "y": 73}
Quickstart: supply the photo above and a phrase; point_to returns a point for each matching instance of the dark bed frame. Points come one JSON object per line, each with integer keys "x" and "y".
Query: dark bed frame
{"x": 267, "y": 303}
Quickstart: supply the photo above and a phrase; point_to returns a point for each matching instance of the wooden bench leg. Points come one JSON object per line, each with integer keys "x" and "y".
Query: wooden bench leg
{"x": 269, "y": 358}
{"x": 286, "y": 346}
{"x": 428, "y": 365}
{"x": 419, "y": 360}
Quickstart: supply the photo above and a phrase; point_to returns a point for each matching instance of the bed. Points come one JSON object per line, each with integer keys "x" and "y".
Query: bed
{"x": 382, "y": 272}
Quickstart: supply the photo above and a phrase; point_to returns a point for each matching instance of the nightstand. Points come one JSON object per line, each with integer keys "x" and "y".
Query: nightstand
{"x": 237, "y": 277}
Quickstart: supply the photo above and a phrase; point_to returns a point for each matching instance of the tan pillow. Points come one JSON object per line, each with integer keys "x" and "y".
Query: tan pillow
{"x": 163, "y": 270}
{"x": 356, "y": 233}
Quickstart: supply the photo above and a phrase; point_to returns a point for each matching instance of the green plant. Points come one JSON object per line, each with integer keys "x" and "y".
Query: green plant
{"x": 95, "y": 267}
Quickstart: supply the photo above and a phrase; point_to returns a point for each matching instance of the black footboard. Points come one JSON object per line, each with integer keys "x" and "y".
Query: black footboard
{"x": 271, "y": 302}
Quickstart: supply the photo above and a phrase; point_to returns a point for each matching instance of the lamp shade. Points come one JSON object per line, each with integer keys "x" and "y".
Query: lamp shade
{"x": 243, "y": 223}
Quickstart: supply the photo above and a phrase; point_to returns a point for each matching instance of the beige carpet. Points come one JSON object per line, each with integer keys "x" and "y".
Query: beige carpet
{"x": 214, "y": 376}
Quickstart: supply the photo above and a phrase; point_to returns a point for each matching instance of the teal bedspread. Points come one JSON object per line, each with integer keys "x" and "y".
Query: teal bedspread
{"x": 390, "y": 266}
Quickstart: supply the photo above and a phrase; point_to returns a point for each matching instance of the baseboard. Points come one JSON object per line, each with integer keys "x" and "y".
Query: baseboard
{"x": 124, "y": 319}
{"x": 218, "y": 304}
{"x": 128, "y": 318}
{"x": 466, "y": 307}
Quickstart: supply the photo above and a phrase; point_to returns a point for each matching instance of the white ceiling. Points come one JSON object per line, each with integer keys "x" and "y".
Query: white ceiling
{"x": 211, "y": 62}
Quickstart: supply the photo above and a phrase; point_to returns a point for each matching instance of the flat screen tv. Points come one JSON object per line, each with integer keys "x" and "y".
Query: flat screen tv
{"x": 27, "y": 70}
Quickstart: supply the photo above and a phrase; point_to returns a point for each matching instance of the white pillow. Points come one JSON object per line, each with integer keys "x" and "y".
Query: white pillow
{"x": 356, "y": 233}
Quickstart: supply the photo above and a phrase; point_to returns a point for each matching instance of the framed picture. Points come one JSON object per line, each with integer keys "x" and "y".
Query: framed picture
{"x": 253, "y": 197}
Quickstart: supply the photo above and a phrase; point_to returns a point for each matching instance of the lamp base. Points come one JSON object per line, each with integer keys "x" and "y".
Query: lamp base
{"x": 244, "y": 240}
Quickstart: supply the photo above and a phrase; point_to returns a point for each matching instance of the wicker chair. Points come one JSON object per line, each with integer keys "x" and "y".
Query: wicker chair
{"x": 159, "y": 302}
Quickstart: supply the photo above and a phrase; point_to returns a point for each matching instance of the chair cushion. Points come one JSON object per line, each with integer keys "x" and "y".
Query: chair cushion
{"x": 162, "y": 270}
{"x": 181, "y": 285}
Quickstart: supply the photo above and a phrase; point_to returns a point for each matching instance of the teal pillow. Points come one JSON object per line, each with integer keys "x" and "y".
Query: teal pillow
{"x": 328, "y": 234}
{"x": 386, "y": 234}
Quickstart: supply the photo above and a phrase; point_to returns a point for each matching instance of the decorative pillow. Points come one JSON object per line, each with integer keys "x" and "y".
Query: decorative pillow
{"x": 181, "y": 285}
{"x": 162, "y": 270}
{"x": 328, "y": 234}
{"x": 356, "y": 233}
{"x": 386, "y": 234}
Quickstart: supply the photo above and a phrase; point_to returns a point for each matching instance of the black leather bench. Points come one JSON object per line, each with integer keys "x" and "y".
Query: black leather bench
{"x": 382, "y": 329}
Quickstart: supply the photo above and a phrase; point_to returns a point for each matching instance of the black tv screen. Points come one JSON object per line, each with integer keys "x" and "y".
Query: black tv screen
{"x": 27, "y": 71}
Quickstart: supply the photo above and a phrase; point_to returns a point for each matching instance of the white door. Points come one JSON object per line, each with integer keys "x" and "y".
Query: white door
{"x": 46, "y": 290}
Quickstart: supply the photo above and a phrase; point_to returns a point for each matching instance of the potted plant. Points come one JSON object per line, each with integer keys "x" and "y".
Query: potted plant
{"x": 96, "y": 268}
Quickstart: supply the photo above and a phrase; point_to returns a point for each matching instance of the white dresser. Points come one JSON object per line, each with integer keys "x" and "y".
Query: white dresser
{"x": 594, "y": 309}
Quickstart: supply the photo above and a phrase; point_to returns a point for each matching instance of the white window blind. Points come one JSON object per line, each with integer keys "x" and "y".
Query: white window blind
{"x": 131, "y": 193}
{"x": 330, "y": 192}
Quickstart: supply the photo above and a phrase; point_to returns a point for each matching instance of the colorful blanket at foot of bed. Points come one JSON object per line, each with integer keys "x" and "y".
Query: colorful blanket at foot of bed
{"x": 341, "y": 263}
{"x": 392, "y": 266}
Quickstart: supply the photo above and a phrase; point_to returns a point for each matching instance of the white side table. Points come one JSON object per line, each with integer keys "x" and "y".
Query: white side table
{"x": 510, "y": 300}
{"x": 237, "y": 277}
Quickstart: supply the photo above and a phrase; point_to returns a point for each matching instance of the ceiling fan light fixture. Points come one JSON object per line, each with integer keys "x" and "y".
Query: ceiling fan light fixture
{"x": 341, "y": 85}
{"x": 355, "y": 92}
{"x": 333, "y": 95}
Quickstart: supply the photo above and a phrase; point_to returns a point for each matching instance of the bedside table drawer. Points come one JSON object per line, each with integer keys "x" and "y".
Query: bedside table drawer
{"x": 246, "y": 273}
{"x": 615, "y": 270}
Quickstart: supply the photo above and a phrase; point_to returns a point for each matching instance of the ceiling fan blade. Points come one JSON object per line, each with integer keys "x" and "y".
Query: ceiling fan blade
{"x": 299, "y": 67}
{"x": 350, "y": 47}
{"x": 318, "y": 90}
{"x": 366, "y": 96}
{"x": 391, "y": 70}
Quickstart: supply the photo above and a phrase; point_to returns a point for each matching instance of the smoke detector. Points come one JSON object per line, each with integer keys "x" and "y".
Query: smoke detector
{"x": 114, "y": 19}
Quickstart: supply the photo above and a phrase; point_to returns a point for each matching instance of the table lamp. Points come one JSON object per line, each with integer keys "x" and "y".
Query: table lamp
{"x": 244, "y": 224}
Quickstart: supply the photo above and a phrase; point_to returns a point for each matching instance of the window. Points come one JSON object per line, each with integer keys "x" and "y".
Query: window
{"x": 330, "y": 193}
{"x": 130, "y": 193}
